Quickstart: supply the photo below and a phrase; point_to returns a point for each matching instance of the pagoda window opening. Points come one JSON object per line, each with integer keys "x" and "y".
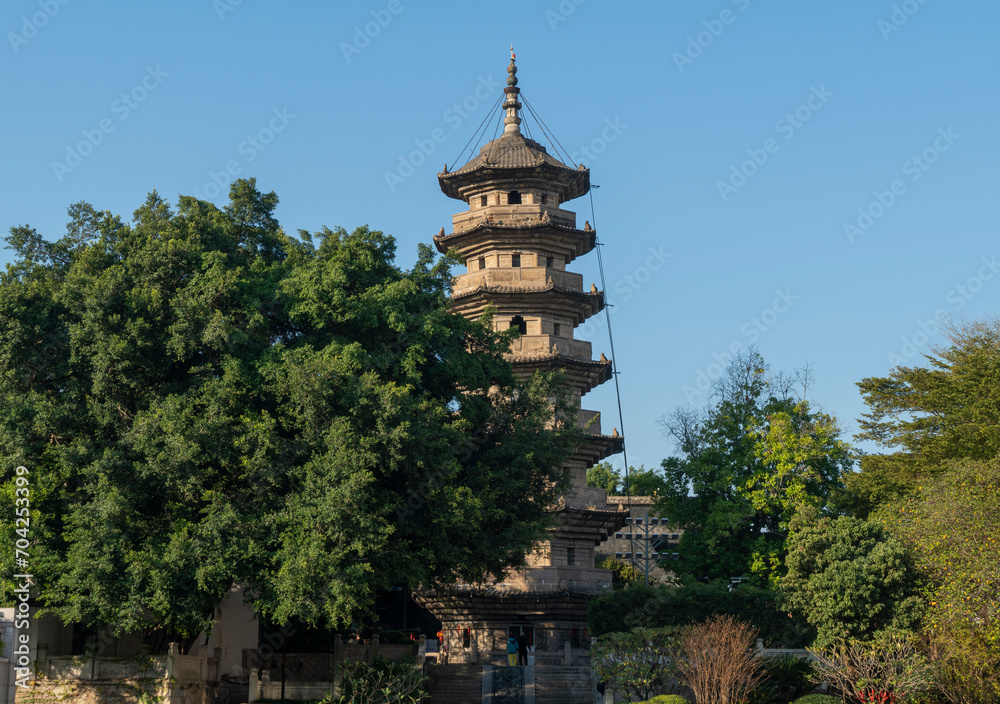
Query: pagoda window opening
{"x": 515, "y": 260}
{"x": 482, "y": 263}
{"x": 518, "y": 322}
{"x": 549, "y": 261}
{"x": 556, "y": 330}
{"x": 570, "y": 556}
{"x": 483, "y": 201}
{"x": 514, "y": 198}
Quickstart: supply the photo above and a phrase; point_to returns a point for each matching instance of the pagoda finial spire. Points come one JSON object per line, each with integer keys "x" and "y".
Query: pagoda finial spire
{"x": 511, "y": 123}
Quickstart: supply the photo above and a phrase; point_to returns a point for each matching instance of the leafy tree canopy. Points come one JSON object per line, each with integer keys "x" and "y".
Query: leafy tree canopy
{"x": 928, "y": 415}
{"x": 639, "y": 482}
{"x": 202, "y": 401}
{"x": 850, "y": 579}
{"x": 750, "y": 461}
{"x": 642, "y": 606}
{"x": 952, "y": 524}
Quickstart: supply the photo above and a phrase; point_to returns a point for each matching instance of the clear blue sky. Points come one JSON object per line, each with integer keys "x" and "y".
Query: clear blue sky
{"x": 674, "y": 96}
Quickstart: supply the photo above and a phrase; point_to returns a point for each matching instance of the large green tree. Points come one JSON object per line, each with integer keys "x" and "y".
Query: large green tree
{"x": 203, "y": 401}
{"x": 850, "y": 578}
{"x": 749, "y": 462}
{"x": 925, "y": 416}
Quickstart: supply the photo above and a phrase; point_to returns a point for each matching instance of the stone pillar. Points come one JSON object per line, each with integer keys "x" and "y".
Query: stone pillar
{"x": 254, "y": 693}
{"x": 265, "y": 684}
{"x": 422, "y": 650}
{"x": 567, "y": 654}
{"x": 373, "y": 651}
{"x": 474, "y": 651}
{"x": 173, "y": 653}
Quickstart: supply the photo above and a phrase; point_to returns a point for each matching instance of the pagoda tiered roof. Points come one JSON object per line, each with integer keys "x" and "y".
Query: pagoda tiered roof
{"x": 571, "y": 303}
{"x": 515, "y": 158}
{"x": 486, "y": 236}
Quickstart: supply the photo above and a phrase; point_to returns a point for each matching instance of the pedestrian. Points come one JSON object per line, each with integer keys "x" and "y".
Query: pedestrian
{"x": 522, "y": 650}
{"x": 511, "y": 651}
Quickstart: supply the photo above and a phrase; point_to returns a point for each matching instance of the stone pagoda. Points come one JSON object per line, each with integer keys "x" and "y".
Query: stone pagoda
{"x": 518, "y": 242}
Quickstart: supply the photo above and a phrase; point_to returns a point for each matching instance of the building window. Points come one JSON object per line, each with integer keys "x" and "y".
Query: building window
{"x": 619, "y": 536}
{"x": 571, "y": 556}
{"x": 518, "y": 322}
{"x": 483, "y": 201}
{"x": 618, "y": 555}
{"x": 515, "y": 260}
{"x": 556, "y": 329}
{"x": 514, "y": 198}
{"x": 482, "y": 263}
{"x": 549, "y": 261}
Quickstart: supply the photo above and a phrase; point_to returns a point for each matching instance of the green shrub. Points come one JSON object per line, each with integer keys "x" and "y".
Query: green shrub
{"x": 817, "y": 699}
{"x": 667, "y": 699}
{"x": 788, "y": 677}
{"x": 642, "y": 606}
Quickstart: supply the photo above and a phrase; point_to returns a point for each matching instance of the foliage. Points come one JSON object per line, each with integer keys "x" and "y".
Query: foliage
{"x": 202, "y": 400}
{"x": 885, "y": 669}
{"x": 622, "y": 573}
{"x": 667, "y": 699}
{"x": 787, "y": 677}
{"x": 718, "y": 663}
{"x": 927, "y": 416}
{"x": 951, "y": 521}
{"x": 638, "y": 605}
{"x": 966, "y": 667}
{"x": 639, "y": 663}
{"x": 817, "y": 699}
{"x": 603, "y": 475}
{"x": 639, "y": 482}
{"x": 752, "y": 459}
{"x": 850, "y": 579}
{"x": 383, "y": 683}
{"x": 643, "y": 482}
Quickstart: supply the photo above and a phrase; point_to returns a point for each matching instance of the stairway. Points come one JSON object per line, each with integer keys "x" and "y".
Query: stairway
{"x": 455, "y": 684}
{"x": 564, "y": 685}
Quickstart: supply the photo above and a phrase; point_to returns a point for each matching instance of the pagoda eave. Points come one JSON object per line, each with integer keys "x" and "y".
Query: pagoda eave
{"x": 485, "y": 237}
{"x": 598, "y": 447}
{"x": 585, "y": 374}
{"x": 574, "y": 305}
{"x": 572, "y": 183}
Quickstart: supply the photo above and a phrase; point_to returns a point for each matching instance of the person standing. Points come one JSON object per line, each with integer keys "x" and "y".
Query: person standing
{"x": 511, "y": 651}
{"x": 522, "y": 650}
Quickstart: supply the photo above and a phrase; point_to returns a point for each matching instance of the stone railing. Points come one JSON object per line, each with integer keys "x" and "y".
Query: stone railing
{"x": 173, "y": 666}
{"x": 173, "y": 678}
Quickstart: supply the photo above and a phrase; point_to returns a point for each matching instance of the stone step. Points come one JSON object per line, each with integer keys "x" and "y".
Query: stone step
{"x": 564, "y": 685}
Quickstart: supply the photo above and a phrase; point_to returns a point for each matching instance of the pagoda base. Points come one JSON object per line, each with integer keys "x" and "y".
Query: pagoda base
{"x": 476, "y": 622}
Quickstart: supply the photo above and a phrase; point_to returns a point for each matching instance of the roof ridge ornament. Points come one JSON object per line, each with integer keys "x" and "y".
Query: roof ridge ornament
{"x": 512, "y": 123}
